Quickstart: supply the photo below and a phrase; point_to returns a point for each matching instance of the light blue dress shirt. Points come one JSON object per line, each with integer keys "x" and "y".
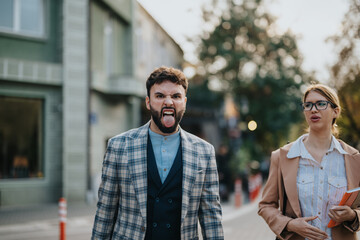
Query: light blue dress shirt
{"x": 320, "y": 185}
{"x": 165, "y": 149}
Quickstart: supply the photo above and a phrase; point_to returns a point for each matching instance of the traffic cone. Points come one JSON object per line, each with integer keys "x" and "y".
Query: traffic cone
{"x": 238, "y": 193}
{"x": 62, "y": 218}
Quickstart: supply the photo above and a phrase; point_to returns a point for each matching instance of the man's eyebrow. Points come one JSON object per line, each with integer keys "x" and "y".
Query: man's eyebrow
{"x": 160, "y": 93}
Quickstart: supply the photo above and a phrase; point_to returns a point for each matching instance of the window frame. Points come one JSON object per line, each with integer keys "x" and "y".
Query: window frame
{"x": 41, "y": 142}
{"x": 16, "y": 31}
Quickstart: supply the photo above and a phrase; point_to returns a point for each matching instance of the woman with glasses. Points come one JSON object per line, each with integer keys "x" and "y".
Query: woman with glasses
{"x": 308, "y": 177}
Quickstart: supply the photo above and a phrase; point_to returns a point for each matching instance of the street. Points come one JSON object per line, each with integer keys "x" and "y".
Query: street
{"x": 241, "y": 223}
{"x": 237, "y": 225}
{"x": 245, "y": 223}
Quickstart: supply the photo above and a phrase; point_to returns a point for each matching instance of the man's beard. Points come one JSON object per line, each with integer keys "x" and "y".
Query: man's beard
{"x": 156, "y": 116}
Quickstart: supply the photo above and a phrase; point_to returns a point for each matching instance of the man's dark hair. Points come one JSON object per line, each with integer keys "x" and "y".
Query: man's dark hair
{"x": 162, "y": 74}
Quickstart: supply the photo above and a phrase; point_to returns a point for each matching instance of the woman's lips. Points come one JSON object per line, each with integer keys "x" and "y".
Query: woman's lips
{"x": 315, "y": 118}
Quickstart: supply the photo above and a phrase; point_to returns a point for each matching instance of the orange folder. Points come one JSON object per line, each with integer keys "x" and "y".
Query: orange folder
{"x": 350, "y": 198}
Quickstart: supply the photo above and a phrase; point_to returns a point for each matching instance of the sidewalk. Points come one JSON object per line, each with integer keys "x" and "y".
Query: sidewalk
{"x": 46, "y": 212}
{"x": 42, "y": 222}
{"x": 49, "y": 212}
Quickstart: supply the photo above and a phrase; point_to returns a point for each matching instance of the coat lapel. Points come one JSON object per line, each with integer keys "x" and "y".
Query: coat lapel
{"x": 152, "y": 167}
{"x": 289, "y": 168}
{"x": 352, "y": 166}
{"x": 190, "y": 163}
{"x": 137, "y": 165}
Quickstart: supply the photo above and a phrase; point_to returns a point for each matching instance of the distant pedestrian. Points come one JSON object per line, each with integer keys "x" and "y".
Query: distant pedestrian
{"x": 159, "y": 181}
{"x": 225, "y": 176}
{"x": 308, "y": 177}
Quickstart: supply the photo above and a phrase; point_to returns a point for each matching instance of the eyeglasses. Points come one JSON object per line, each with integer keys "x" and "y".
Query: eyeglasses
{"x": 319, "y": 105}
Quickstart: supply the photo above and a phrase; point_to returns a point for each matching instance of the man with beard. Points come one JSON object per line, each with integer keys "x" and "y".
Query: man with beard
{"x": 158, "y": 180}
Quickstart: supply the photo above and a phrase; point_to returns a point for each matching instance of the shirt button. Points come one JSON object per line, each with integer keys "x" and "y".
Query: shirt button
{"x": 154, "y": 224}
{"x": 321, "y": 168}
{"x": 164, "y": 169}
{"x": 321, "y": 181}
{"x": 168, "y": 225}
{"x": 164, "y": 151}
{"x": 143, "y": 229}
{"x": 165, "y": 138}
{"x": 319, "y": 213}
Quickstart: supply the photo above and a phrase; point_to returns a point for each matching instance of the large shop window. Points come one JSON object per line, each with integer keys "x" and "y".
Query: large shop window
{"x": 24, "y": 17}
{"x": 21, "y": 138}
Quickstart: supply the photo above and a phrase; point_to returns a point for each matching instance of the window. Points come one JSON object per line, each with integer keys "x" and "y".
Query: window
{"x": 22, "y": 17}
{"x": 20, "y": 138}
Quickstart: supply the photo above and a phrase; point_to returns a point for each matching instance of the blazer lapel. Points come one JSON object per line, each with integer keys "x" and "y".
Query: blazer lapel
{"x": 152, "y": 167}
{"x": 352, "y": 166}
{"x": 174, "y": 169}
{"x": 137, "y": 165}
{"x": 190, "y": 163}
{"x": 289, "y": 168}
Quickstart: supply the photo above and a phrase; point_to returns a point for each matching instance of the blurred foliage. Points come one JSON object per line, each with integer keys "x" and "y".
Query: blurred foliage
{"x": 199, "y": 95}
{"x": 244, "y": 56}
{"x": 346, "y": 74}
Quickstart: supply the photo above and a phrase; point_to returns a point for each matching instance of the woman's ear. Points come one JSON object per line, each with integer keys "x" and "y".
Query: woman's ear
{"x": 336, "y": 112}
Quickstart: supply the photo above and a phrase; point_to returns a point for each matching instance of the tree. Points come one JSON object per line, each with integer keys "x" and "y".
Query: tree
{"x": 245, "y": 57}
{"x": 346, "y": 74}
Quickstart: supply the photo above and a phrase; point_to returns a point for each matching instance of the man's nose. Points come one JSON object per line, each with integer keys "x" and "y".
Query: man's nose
{"x": 168, "y": 101}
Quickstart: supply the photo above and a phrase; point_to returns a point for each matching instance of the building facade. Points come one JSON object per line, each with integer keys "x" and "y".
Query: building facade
{"x": 72, "y": 75}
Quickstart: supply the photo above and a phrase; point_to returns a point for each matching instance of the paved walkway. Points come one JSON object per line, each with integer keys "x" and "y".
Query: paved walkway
{"x": 41, "y": 222}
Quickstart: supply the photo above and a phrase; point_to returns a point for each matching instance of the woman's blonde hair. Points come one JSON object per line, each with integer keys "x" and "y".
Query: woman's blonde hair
{"x": 331, "y": 96}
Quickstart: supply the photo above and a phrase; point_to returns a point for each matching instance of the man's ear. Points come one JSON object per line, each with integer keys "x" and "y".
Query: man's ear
{"x": 147, "y": 102}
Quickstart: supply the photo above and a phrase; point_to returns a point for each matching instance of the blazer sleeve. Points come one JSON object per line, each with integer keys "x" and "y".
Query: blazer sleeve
{"x": 107, "y": 206}
{"x": 269, "y": 205}
{"x": 210, "y": 212}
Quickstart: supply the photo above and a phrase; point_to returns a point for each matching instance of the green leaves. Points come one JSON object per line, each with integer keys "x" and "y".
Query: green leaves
{"x": 258, "y": 67}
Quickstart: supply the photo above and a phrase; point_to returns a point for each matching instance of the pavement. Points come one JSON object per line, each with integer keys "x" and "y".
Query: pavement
{"x": 42, "y": 221}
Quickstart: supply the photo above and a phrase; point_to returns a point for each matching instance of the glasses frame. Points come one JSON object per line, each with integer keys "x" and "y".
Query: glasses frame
{"x": 315, "y": 103}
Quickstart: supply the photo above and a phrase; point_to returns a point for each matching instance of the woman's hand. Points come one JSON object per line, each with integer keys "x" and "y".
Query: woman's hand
{"x": 341, "y": 214}
{"x": 301, "y": 227}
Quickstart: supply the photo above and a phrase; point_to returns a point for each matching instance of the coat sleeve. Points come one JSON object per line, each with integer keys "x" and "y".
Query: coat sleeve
{"x": 107, "y": 206}
{"x": 269, "y": 205}
{"x": 210, "y": 212}
{"x": 353, "y": 226}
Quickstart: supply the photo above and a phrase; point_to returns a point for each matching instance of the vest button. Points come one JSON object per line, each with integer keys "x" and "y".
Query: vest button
{"x": 157, "y": 199}
{"x": 168, "y": 225}
{"x": 154, "y": 224}
{"x": 170, "y": 200}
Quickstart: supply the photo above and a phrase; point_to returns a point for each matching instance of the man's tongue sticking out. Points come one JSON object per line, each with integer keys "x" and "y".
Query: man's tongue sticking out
{"x": 168, "y": 118}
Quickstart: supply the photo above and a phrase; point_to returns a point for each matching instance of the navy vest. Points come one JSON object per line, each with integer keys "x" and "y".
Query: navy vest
{"x": 163, "y": 199}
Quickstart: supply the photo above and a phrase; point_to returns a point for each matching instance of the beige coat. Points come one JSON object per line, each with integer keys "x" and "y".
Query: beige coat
{"x": 282, "y": 175}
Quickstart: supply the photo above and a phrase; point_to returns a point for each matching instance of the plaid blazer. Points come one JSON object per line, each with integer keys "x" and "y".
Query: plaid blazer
{"x": 121, "y": 209}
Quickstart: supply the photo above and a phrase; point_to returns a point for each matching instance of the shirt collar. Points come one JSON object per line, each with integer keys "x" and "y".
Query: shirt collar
{"x": 298, "y": 148}
{"x": 156, "y": 136}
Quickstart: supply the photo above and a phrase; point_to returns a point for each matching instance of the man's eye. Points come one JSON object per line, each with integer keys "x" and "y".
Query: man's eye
{"x": 159, "y": 96}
